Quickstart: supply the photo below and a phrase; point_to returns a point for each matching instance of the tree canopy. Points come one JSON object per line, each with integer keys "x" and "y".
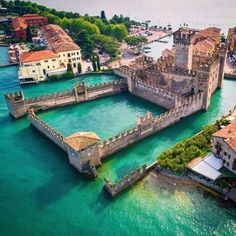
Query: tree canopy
{"x": 88, "y": 31}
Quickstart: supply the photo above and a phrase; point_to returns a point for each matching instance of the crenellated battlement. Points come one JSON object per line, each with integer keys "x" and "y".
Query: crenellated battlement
{"x": 106, "y": 84}
{"x": 15, "y": 96}
{"x": 18, "y": 106}
{"x": 50, "y": 96}
{"x": 125, "y": 182}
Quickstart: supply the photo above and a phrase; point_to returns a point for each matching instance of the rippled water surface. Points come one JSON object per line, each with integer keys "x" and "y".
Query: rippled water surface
{"x": 41, "y": 194}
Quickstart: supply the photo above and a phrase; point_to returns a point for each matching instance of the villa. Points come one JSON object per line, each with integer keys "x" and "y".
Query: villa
{"x": 61, "y": 51}
{"x": 39, "y": 65}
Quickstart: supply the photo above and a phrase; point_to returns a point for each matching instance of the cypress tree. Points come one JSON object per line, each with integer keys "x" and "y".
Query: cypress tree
{"x": 79, "y": 68}
{"x": 98, "y": 63}
{"x": 94, "y": 64}
{"x": 28, "y": 34}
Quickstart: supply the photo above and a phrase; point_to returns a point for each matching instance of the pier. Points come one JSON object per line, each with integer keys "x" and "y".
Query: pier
{"x": 9, "y": 64}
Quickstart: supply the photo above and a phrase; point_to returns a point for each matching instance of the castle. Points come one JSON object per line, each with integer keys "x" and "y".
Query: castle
{"x": 197, "y": 65}
{"x": 183, "y": 85}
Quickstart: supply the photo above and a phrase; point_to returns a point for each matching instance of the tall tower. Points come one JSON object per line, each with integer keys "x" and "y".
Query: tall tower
{"x": 222, "y": 58}
{"x": 183, "y": 48}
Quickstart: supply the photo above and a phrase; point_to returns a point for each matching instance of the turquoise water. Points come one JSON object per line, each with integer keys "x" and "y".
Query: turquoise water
{"x": 4, "y": 55}
{"x": 41, "y": 194}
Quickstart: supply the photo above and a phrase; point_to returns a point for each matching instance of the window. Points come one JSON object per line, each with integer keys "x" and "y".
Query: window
{"x": 77, "y": 53}
{"x": 33, "y": 71}
{"x": 74, "y": 64}
{"x": 45, "y": 60}
{"x": 38, "y": 64}
{"x": 69, "y": 60}
{"x": 53, "y": 59}
{"x": 68, "y": 54}
{"x": 48, "y": 67}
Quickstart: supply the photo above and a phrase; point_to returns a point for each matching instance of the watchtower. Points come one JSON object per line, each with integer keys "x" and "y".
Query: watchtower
{"x": 183, "y": 48}
{"x": 15, "y": 103}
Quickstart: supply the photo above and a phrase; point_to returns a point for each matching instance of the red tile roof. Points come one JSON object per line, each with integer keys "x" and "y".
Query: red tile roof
{"x": 18, "y": 23}
{"x": 37, "y": 56}
{"x": 58, "y": 39}
{"x": 206, "y": 40}
{"x": 228, "y": 133}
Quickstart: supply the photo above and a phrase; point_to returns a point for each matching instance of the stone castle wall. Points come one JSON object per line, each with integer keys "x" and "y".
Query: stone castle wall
{"x": 48, "y": 131}
{"x": 125, "y": 182}
{"x": 18, "y": 106}
{"x": 159, "y": 96}
{"x": 84, "y": 160}
{"x": 149, "y": 124}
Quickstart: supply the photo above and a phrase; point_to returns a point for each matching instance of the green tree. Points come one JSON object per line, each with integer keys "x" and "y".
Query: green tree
{"x": 28, "y": 34}
{"x": 103, "y": 15}
{"x": 136, "y": 41}
{"x": 69, "y": 68}
{"x": 86, "y": 43}
{"x": 79, "y": 67}
{"x": 98, "y": 63}
{"x": 119, "y": 31}
{"x": 94, "y": 63}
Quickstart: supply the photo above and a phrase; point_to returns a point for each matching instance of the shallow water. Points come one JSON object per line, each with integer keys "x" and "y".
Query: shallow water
{"x": 41, "y": 194}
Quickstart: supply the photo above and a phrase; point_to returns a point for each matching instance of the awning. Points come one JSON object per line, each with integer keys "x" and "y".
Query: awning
{"x": 208, "y": 167}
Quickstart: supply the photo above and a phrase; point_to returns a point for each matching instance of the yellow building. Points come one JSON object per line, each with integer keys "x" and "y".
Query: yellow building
{"x": 56, "y": 39}
{"x": 37, "y": 66}
{"x": 62, "y": 50}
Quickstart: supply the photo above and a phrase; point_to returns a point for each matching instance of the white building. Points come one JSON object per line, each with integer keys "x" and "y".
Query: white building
{"x": 38, "y": 66}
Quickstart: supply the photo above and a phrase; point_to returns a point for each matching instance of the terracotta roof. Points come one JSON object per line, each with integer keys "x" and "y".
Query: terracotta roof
{"x": 228, "y": 133}
{"x": 232, "y": 31}
{"x": 206, "y": 40}
{"x": 37, "y": 56}
{"x": 81, "y": 140}
{"x": 58, "y": 39}
{"x": 18, "y": 23}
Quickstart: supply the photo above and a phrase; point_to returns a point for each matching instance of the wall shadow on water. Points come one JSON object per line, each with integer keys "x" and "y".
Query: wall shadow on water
{"x": 63, "y": 177}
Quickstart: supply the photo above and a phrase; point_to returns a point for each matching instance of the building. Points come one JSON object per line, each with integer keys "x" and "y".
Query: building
{"x": 57, "y": 40}
{"x": 224, "y": 145}
{"x": 196, "y": 52}
{"x": 62, "y": 50}
{"x": 37, "y": 66}
{"x": 20, "y": 24}
{"x": 232, "y": 39}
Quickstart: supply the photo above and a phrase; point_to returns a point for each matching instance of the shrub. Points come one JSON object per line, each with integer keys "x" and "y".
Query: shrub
{"x": 183, "y": 152}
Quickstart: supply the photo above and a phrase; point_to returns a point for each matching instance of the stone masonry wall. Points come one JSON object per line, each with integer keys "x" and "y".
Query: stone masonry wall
{"x": 18, "y": 106}
{"x": 148, "y": 125}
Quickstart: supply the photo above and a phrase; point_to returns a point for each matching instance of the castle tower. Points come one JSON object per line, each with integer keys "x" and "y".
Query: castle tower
{"x": 15, "y": 103}
{"x": 222, "y": 52}
{"x": 183, "y": 48}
